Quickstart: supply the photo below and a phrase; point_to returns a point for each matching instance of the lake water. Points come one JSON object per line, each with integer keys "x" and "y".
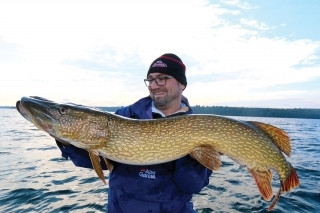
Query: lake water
{"x": 35, "y": 178}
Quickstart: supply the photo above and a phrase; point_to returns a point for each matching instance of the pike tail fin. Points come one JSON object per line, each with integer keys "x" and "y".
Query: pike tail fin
{"x": 291, "y": 182}
{"x": 275, "y": 200}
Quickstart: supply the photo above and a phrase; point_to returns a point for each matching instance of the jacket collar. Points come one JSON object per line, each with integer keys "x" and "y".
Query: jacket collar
{"x": 143, "y": 107}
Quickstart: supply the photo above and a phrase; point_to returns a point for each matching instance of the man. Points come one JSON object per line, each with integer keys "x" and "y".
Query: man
{"x": 165, "y": 187}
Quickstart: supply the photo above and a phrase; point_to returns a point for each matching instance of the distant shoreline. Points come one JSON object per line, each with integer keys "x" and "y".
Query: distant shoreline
{"x": 258, "y": 112}
{"x": 240, "y": 111}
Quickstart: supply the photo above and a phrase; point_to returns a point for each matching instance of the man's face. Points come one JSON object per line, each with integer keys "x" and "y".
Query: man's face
{"x": 167, "y": 95}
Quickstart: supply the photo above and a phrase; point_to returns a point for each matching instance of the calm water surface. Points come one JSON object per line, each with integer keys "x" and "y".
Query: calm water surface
{"x": 35, "y": 178}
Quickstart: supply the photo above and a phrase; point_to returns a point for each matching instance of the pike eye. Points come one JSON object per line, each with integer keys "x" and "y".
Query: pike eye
{"x": 63, "y": 110}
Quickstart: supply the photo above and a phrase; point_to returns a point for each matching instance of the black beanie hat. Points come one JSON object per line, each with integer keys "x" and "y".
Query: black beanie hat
{"x": 169, "y": 64}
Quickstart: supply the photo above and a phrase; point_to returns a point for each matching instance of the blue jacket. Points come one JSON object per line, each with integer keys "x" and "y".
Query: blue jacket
{"x": 160, "y": 188}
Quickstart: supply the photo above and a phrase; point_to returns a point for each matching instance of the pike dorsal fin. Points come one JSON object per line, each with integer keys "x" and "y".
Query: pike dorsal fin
{"x": 207, "y": 156}
{"x": 280, "y": 138}
{"x": 95, "y": 160}
{"x": 263, "y": 180}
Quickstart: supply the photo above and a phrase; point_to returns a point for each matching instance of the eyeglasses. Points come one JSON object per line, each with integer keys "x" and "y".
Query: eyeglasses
{"x": 160, "y": 81}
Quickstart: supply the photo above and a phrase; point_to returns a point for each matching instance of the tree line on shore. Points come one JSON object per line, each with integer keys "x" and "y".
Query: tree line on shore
{"x": 247, "y": 111}
{"x": 258, "y": 112}
{"x": 243, "y": 111}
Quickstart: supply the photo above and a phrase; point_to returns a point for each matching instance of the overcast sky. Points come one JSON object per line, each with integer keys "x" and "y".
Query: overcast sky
{"x": 238, "y": 53}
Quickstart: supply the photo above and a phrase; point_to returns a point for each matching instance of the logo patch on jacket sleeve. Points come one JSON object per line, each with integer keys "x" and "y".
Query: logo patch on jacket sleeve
{"x": 147, "y": 173}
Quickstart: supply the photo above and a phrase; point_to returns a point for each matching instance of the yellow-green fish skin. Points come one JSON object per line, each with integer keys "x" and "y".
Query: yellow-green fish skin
{"x": 255, "y": 145}
{"x": 161, "y": 140}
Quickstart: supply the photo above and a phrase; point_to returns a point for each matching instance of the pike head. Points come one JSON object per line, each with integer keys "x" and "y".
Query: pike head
{"x": 82, "y": 126}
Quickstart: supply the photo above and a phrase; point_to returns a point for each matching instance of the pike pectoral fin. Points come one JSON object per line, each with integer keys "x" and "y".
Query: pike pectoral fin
{"x": 207, "y": 156}
{"x": 263, "y": 180}
{"x": 109, "y": 165}
{"x": 95, "y": 160}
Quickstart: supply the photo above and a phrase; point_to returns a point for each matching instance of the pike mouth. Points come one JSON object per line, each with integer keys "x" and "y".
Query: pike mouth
{"x": 22, "y": 111}
{"x": 38, "y": 117}
{"x": 42, "y": 120}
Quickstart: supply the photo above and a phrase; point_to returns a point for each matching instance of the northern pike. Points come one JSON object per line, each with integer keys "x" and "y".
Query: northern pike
{"x": 257, "y": 146}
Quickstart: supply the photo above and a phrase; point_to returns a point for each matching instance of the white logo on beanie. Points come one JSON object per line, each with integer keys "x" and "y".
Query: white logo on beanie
{"x": 159, "y": 64}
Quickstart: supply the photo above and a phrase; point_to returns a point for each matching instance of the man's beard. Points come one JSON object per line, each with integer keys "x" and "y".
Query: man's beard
{"x": 162, "y": 102}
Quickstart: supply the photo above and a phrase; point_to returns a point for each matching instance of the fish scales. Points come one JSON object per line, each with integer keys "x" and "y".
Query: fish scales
{"x": 154, "y": 137}
{"x": 255, "y": 145}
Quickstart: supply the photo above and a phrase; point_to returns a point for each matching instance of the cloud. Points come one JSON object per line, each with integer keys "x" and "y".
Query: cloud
{"x": 98, "y": 52}
{"x": 9, "y": 51}
{"x": 239, "y": 4}
{"x": 255, "y": 24}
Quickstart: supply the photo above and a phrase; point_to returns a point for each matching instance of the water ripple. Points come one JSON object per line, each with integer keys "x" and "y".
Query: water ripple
{"x": 35, "y": 178}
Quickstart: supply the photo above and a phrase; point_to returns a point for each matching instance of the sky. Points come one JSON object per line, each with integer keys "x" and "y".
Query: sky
{"x": 237, "y": 53}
